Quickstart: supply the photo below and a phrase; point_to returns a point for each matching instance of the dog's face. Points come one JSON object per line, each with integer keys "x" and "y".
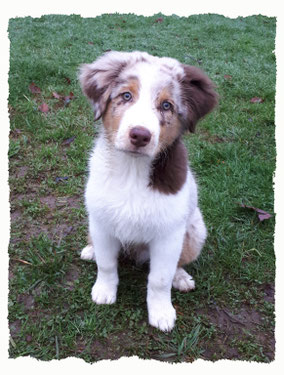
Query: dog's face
{"x": 146, "y": 102}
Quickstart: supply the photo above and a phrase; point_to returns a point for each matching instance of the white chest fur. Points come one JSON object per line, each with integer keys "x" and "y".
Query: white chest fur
{"x": 118, "y": 195}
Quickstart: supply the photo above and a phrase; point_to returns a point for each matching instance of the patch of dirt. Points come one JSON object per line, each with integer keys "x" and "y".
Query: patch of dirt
{"x": 53, "y": 202}
{"x": 21, "y": 172}
{"x": 71, "y": 275}
{"x": 229, "y": 322}
{"x": 15, "y": 215}
{"x": 236, "y": 326}
{"x": 102, "y": 350}
{"x": 45, "y": 224}
{"x": 269, "y": 291}
{"x": 220, "y": 350}
{"x": 49, "y": 201}
{"x": 11, "y": 273}
{"x": 80, "y": 346}
{"x": 15, "y": 328}
{"x": 69, "y": 202}
{"x": 27, "y": 300}
{"x": 99, "y": 349}
{"x": 35, "y": 231}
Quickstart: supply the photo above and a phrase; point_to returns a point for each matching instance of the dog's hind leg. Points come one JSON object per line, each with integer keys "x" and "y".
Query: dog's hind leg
{"x": 194, "y": 239}
{"x": 88, "y": 253}
{"x": 183, "y": 281}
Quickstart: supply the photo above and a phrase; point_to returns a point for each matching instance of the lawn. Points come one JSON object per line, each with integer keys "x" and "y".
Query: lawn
{"x": 230, "y": 314}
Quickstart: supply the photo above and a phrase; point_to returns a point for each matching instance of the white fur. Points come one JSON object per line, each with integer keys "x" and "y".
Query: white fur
{"x": 124, "y": 210}
{"x": 183, "y": 281}
{"x": 88, "y": 253}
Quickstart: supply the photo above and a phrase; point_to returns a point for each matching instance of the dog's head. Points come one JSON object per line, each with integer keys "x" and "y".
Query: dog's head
{"x": 146, "y": 102}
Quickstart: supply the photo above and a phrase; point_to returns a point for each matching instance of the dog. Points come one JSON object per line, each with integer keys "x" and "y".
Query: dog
{"x": 141, "y": 194}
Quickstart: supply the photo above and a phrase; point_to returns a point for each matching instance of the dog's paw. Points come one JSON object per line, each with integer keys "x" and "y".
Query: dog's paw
{"x": 183, "y": 281}
{"x": 162, "y": 318}
{"x": 88, "y": 253}
{"x": 103, "y": 293}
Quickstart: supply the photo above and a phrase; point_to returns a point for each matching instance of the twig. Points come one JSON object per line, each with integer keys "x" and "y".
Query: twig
{"x": 12, "y": 342}
{"x": 233, "y": 319}
{"x": 22, "y": 261}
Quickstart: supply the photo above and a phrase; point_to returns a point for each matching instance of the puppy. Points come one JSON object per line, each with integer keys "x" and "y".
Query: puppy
{"x": 141, "y": 193}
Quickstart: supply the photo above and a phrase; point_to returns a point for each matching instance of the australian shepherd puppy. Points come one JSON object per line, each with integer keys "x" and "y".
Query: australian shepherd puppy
{"x": 141, "y": 194}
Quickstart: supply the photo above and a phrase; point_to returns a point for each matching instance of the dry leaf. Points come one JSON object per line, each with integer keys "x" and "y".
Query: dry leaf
{"x": 61, "y": 179}
{"x": 256, "y": 100}
{"x": 68, "y": 98}
{"x": 43, "y": 108}
{"x": 68, "y": 141}
{"x": 56, "y": 95}
{"x": 34, "y": 89}
{"x": 262, "y": 215}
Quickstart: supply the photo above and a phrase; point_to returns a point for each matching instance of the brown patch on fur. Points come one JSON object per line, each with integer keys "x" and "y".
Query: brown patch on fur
{"x": 171, "y": 127}
{"x": 112, "y": 118}
{"x": 131, "y": 86}
{"x": 170, "y": 130}
{"x": 169, "y": 169}
{"x": 189, "y": 254}
{"x": 97, "y": 84}
{"x": 117, "y": 106}
{"x": 198, "y": 95}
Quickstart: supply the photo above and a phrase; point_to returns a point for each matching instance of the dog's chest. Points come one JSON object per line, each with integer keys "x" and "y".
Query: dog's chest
{"x": 120, "y": 197}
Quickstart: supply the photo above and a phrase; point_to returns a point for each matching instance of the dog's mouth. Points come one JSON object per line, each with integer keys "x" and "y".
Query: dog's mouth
{"x": 135, "y": 153}
{"x": 138, "y": 152}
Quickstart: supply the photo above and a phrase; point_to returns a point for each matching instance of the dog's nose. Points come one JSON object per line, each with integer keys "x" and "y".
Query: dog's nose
{"x": 139, "y": 136}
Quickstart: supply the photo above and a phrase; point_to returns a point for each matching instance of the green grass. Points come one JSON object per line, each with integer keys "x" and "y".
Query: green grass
{"x": 231, "y": 312}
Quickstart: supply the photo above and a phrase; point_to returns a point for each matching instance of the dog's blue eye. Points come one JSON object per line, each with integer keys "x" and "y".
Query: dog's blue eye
{"x": 126, "y": 96}
{"x": 166, "y": 106}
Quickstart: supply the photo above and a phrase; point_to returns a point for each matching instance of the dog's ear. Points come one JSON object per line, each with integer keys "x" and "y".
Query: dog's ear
{"x": 97, "y": 79}
{"x": 198, "y": 95}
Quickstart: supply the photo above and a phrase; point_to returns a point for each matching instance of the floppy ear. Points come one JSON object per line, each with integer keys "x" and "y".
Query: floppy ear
{"x": 97, "y": 79}
{"x": 198, "y": 95}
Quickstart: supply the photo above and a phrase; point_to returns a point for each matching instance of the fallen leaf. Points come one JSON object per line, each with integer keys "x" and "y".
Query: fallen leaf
{"x": 68, "y": 98}
{"x": 256, "y": 100}
{"x": 56, "y": 95}
{"x": 68, "y": 80}
{"x": 61, "y": 179}
{"x": 227, "y": 76}
{"x": 43, "y": 108}
{"x": 262, "y": 215}
{"x": 34, "y": 89}
{"x": 91, "y": 43}
{"x": 29, "y": 338}
{"x": 68, "y": 141}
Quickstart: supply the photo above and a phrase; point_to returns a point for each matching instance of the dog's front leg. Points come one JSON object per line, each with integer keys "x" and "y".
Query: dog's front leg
{"x": 164, "y": 255}
{"x": 106, "y": 249}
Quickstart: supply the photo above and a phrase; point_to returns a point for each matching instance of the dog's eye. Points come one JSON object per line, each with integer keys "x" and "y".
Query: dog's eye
{"x": 127, "y": 96}
{"x": 166, "y": 106}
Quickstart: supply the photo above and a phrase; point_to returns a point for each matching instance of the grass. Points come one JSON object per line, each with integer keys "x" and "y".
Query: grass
{"x": 231, "y": 312}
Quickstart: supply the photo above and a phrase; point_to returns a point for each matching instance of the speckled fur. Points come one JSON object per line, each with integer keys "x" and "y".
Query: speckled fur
{"x": 144, "y": 196}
